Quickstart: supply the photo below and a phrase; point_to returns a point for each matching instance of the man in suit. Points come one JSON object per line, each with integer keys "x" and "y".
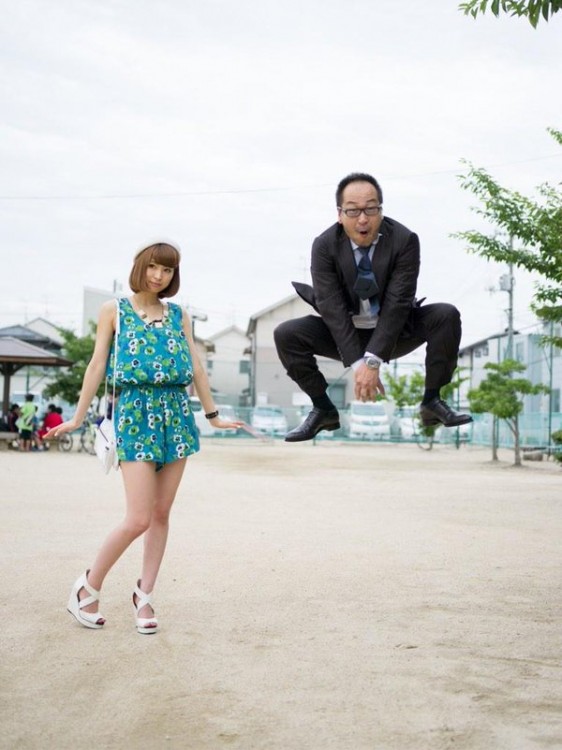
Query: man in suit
{"x": 364, "y": 274}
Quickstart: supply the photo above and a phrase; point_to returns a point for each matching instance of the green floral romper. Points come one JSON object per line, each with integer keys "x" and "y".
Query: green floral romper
{"x": 153, "y": 418}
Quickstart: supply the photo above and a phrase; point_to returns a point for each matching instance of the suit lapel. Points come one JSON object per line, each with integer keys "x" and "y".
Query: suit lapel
{"x": 347, "y": 261}
{"x": 381, "y": 258}
{"x": 380, "y": 263}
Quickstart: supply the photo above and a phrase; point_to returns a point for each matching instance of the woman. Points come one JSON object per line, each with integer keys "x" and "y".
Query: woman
{"x": 155, "y": 429}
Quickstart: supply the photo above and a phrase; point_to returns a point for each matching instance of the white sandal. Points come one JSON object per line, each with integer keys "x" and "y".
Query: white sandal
{"x": 145, "y": 625}
{"x": 75, "y": 604}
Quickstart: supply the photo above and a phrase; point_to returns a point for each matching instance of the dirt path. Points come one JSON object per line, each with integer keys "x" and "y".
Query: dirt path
{"x": 313, "y": 598}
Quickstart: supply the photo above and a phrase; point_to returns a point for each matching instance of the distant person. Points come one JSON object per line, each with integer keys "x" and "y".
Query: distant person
{"x": 12, "y": 418}
{"x": 364, "y": 276}
{"x": 25, "y": 423}
{"x": 53, "y": 418}
{"x": 155, "y": 428}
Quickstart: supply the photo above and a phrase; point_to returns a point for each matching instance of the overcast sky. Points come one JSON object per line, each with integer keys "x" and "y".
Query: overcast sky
{"x": 227, "y": 125}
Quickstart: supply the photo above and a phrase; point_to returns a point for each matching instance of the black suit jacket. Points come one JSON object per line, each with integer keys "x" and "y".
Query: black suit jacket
{"x": 396, "y": 263}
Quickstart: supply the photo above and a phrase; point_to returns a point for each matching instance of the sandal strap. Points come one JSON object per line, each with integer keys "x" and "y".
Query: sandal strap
{"x": 88, "y": 600}
{"x": 94, "y": 595}
{"x": 142, "y": 598}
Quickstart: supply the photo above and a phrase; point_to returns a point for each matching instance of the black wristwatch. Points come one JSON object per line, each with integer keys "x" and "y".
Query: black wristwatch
{"x": 372, "y": 363}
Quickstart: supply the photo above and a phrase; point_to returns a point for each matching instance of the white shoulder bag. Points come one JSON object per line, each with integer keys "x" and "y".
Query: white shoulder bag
{"x": 105, "y": 443}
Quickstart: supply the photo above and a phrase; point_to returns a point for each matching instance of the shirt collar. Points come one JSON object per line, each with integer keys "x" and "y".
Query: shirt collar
{"x": 354, "y": 245}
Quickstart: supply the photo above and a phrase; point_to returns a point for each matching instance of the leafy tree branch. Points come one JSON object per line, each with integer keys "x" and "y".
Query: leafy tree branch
{"x": 527, "y": 233}
{"x": 533, "y": 10}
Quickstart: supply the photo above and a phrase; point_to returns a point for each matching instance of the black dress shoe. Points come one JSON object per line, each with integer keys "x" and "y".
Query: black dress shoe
{"x": 438, "y": 412}
{"x": 317, "y": 420}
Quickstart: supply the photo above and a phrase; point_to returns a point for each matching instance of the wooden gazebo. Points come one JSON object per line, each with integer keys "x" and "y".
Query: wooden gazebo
{"x": 15, "y": 354}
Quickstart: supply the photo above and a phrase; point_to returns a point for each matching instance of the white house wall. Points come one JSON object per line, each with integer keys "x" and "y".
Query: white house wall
{"x": 224, "y": 373}
{"x": 271, "y": 379}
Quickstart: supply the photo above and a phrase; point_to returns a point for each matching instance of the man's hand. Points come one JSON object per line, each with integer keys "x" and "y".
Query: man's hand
{"x": 368, "y": 384}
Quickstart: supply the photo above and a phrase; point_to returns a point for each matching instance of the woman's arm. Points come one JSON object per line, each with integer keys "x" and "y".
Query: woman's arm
{"x": 95, "y": 371}
{"x": 201, "y": 381}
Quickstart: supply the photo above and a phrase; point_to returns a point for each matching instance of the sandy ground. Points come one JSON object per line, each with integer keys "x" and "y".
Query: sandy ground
{"x": 313, "y": 597}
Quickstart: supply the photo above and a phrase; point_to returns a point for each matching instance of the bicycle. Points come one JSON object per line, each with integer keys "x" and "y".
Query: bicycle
{"x": 65, "y": 442}
{"x": 426, "y": 437}
{"x": 88, "y": 436}
{"x": 424, "y": 441}
{"x": 413, "y": 430}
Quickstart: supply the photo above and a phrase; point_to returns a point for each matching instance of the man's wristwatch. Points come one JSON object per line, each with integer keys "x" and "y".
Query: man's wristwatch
{"x": 372, "y": 363}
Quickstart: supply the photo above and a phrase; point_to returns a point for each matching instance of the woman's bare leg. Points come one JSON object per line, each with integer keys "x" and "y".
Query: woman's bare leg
{"x": 156, "y": 536}
{"x": 140, "y": 480}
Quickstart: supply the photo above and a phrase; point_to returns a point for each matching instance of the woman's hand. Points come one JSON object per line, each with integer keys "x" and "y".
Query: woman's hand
{"x": 225, "y": 424}
{"x": 61, "y": 429}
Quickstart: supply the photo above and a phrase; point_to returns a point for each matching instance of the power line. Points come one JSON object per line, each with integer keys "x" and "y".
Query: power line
{"x": 243, "y": 191}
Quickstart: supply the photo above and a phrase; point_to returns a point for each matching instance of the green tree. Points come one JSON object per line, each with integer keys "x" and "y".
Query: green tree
{"x": 536, "y": 226}
{"x": 408, "y": 391}
{"x": 67, "y": 382}
{"x": 405, "y": 390}
{"x": 499, "y": 394}
{"x": 531, "y": 9}
{"x": 557, "y": 440}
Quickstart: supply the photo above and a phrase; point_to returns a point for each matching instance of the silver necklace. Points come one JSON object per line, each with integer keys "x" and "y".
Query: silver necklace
{"x": 157, "y": 322}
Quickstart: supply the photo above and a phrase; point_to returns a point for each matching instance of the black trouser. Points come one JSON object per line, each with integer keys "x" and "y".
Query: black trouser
{"x": 438, "y": 325}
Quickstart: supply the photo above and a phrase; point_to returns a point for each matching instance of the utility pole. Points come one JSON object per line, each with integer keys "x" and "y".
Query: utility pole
{"x": 507, "y": 283}
{"x": 550, "y": 383}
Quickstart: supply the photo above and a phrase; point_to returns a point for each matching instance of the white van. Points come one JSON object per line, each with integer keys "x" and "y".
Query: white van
{"x": 269, "y": 419}
{"x": 369, "y": 420}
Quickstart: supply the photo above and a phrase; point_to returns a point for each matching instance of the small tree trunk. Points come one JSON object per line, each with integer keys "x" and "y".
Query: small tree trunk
{"x": 516, "y": 445}
{"x": 494, "y": 439}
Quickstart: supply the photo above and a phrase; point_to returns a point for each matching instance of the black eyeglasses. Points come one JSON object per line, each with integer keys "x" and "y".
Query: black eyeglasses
{"x": 353, "y": 213}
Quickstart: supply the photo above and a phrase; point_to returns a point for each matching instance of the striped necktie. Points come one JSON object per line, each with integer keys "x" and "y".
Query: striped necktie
{"x": 366, "y": 284}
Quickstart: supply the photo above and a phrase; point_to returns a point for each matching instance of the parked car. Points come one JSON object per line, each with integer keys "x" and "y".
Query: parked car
{"x": 204, "y": 427}
{"x": 408, "y": 420}
{"x": 269, "y": 419}
{"x": 369, "y": 420}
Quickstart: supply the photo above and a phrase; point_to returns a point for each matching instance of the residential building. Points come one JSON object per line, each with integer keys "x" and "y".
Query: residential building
{"x": 541, "y": 413}
{"x": 269, "y": 383}
{"x": 92, "y": 300}
{"x": 228, "y": 367}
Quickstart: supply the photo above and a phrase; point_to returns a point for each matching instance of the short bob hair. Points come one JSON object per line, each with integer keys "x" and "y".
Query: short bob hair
{"x": 164, "y": 254}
